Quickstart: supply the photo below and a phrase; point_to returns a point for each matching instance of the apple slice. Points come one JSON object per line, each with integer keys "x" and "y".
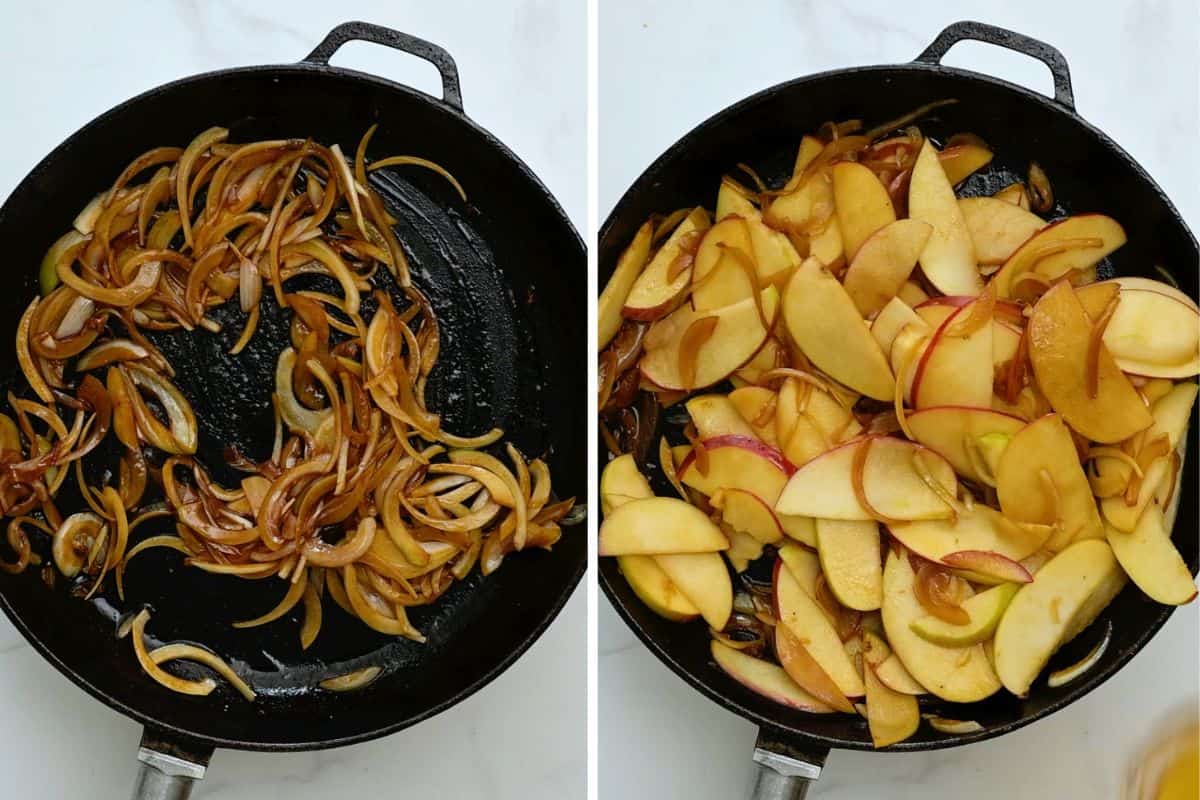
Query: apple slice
{"x": 1070, "y": 590}
{"x": 961, "y": 160}
{"x": 612, "y": 299}
{"x": 810, "y": 148}
{"x": 803, "y": 564}
{"x": 1059, "y": 331}
{"x": 807, "y": 209}
{"x": 849, "y": 551}
{"x": 738, "y": 334}
{"x": 1134, "y": 283}
{"x": 772, "y": 251}
{"x": 893, "y": 318}
{"x": 802, "y": 529}
{"x": 714, "y": 415}
{"x": 948, "y": 259}
{"x": 824, "y": 488}
{"x": 862, "y": 205}
{"x": 954, "y": 369}
{"x": 756, "y": 405}
{"x": 771, "y": 355}
{"x": 704, "y": 581}
{"x": 743, "y": 549}
{"x": 802, "y": 668}
{"x": 659, "y": 525}
{"x": 802, "y": 440}
{"x": 892, "y": 674}
{"x": 984, "y": 611}
{"x": 982, "y": 566}
{"x": 622, "y": 482}
{"x": 891, "y": 716}
{"x": 654, "y": 294}
{"x": 981, "y": 529}
{"x": 654, "y": 588}
{"x": 1152, "y": 561}
{"x": 717, "y": 278}
{"x": 831, "y": 418}
{"x": 809, "y": 623}
{"x": 954, "y": 433}
{"x": 1074, "y": 243}
{"x": 997, "y": 227}
{"x": 912, "y": 294}
{"x": 957, "y": 674}
{"x": 1005, "y": 341}
{"x": 1040, "y": 454}
{"x": 766, "y": 679}
{"x": 1150, "y": 333}
{"x": 1014, "y": 193}
{"x": 826, "y": 325}
{"x": 737, "y": 462}
{"x": 746, "y": 512}
{"x": 884, "y": 261}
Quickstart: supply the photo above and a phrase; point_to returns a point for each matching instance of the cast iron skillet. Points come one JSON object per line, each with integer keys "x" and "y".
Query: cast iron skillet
{"x": 502, "y": 271}
{"x": 1089, "y": 173}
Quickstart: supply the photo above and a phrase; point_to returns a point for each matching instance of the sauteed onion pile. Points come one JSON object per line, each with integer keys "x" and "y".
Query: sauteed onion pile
{"x": 364, "y": 497}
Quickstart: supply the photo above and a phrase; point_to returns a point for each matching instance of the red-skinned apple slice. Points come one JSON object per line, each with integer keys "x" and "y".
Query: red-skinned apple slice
{"x": 957, "y": 674}
{"x": 802, "y": 668}
{"x": 954, "y": 369}
{"x": 1059, "y": 331}
{"x": 883, "y": 263}
{"x": 982, "y": 529}
{"x": 824, "y": 487}
{"x": 948, "y": 259}
{"x": 729, "y": 284}
{"x": 1151, "y": 333}
{"x": 954, "y": 431}
{"x": 738, "y": 334}
{"x": 766, "y": 679}
{"x": 654, "y": 294}
{"x": 659, "y": 525}
{"x": 746, "y": 512}
{"x": 737, "y": 462}
{"x": 984, "y": 567}
{"x": 893, "y": 318}
{"x": 998, "y": 227}
{"x": 714, "y": 415}
{"x": 654, "y": 588}
{"x": 704, "y": 580}
{"x": 1070, "y": 590}
{"x": 862, "y": 205}
{"x": 808, "y": 622}
{"x": 612, "y": 299}
{"x": 849, "y": 552}
{"x": 826, "y": 325}
{"x": 1074, "y": 243}
{"x": 1151, "y": 560}
{"x": 752, "y": 403}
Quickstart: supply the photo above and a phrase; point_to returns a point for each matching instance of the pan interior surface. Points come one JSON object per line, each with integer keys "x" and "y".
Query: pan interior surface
{"x": 1088, "y": 173}
{"x": 500, "y": 271}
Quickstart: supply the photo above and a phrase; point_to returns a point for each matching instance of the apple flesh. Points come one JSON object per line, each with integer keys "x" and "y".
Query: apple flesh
{"x": 1040, "y": 252}
{"x": 765, "y": 679}
{"x": 1070, "y": 590}
{"x": 892, "y": 674}
{"x": 1150, "y": 333}
{"x": 612, "y": 299}
{"x": 654, "y": 293}
{"x": 703, "y": 579}
{"x": 982, "y": 566}
{"x": 981, "y": 529}
{"x": 743, "y": 549}
{"x": 1058, "y": 331}
{"x": 806, "y": 620}
{"x": 823, "y": 488}
{"x": 961, "y": 160}
{"x": 738, "y": 334}
{"x": 803, "y": 564}
{"x": 862, "y": 205}
{"x": 717, "y": 279}
{"x": 752, "y": 403}
{"x": 826, "y": 325}
{"x": 955, "y": 370}
{"x": 715, "y": 415}
{"x": 802, "y": 668}
{"x": 956, "y": 674}
{"x": 984, "y": 611}
{"x": 883, "y": 262}
{"x": 948, "y": 259}
{"x": 1152, "y": 561}
{"x": 891, "y": 716}
{"x": 849, "y": 552}
{"x": 1014, "y": 193}
{"x": 659, "y": 525}
{"x": 771, "y": 355}
{"x": 1045, "y": 446}
{"x": 997, "y": 227}
{"x": 912, "y": 294}
{"x": 893, "y": 318}
{"x": 622, "y": 482}
{"x": 655, "y": 588}
{"x": 773, "y": 254}
{"x": 737, "y": 462}
{"x": 955, "y": 432}
{"x": 746, "y": 512}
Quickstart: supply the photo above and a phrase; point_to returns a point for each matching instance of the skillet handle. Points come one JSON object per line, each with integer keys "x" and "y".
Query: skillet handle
{"x": 377, "y": 34}
{"x": 168, "y": 769}
{"x": 1001, "y": 37}
{"x": 783, "y": 770}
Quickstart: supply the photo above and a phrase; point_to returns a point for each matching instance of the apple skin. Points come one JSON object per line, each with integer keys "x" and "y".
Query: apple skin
{"x": 747, "y": 443}
{"x": 991, "y": 567}
{"x": 765, "y": 679}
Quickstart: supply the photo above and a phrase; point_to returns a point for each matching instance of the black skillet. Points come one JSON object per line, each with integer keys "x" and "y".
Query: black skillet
{"x": 503, "y": 272}
{"x": 1089, "y": 172}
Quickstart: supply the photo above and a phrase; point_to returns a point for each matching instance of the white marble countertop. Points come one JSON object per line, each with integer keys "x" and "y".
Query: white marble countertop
{"x": 66, "y": 62}
{"x": 668, "y": 65}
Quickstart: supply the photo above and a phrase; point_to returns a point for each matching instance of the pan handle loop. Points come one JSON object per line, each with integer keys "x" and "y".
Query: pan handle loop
{"x": 377, "y": 34}
{"x": 1001, "y": 37}
{"x": 784, "y": 770}
{"x": 168, "y": 770}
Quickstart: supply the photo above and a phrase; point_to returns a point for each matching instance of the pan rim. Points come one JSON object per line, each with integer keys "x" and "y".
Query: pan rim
{"x": 648, "y": 177}
{"x": 305, "y": 68}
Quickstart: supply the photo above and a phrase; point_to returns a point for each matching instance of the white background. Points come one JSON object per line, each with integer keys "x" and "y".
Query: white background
{"x": 522, "y": 66}
{"x": 666, "y": 66}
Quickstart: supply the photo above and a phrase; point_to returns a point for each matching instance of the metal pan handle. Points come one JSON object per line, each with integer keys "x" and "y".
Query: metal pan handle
{"x": 1017, "y": 42}
{"x": 168, "y": 769}
{"x": 784, "y": 771}
{"x": 377, "y": 34}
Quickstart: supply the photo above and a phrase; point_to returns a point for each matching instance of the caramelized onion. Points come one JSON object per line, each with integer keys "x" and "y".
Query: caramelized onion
{"x": 1095, "y": 342}
{"x": 940, "y": 593}
{"x": 694, "y": 338}
{"x": 1041, "y": 195}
